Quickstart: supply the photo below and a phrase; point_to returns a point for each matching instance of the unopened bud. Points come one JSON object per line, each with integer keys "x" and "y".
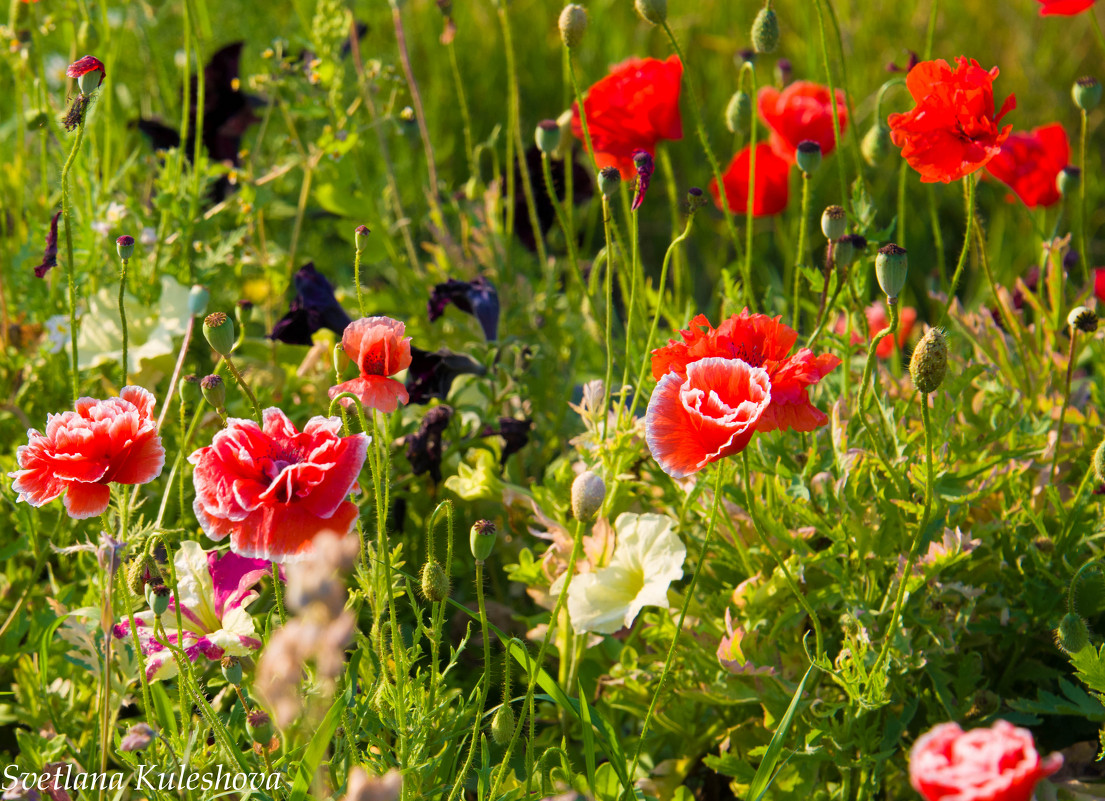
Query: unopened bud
{"x": 125, "y": 246}
{"x": 482, "y": 539}
{"x": 1086, "y": 93}
{"x": 502, "y": 723}
{"x": 808, "y": 156}
{"x": 341, "y": 360}
{"x": 834, "y": 222}
{"x": 892, "y": 268}
{"x": 1068, "y": 179}
{"x": 654, "y": 11}
{"x": 573, "y": 24}
{"x": 219, "y": 331}
{"x": 360, "y": 237}
{"x": 1082, "y": 319}
{"x": 738, "y": 114}
{"x": 435, "y": 585}
{"x": 929, "y": 363}
{"x": 588, "y": 493}
{"x": 875, "y": 145}
{"x": 142, "y": 566}
{"x": 609, "y": 181}
{"x": 1073, "y": 634}
{"x": 765, "y": 31}
{"x": 547, "y": 136}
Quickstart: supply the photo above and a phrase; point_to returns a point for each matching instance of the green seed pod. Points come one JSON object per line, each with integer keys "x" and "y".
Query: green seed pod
{"x": 588, "y": 493}
{"x": 1068, "y": 180}
{"x": 219, "y": 331}
{"x": 232, "y": 670}
{"x": 1099, "y": 463}
{"x": 360, "y": 237}
{"x": 765, "y": 31}
{"x": 259, "y": 726}
{"x": 482, "y": 539}
{"x": 1086, "y": 93}
{"x": 125, "y": 246}
{"x": 90, "y": 82}
{"x": 435, "y": 584}
{"x": 547, "y": 136}
{"x": 844, "y": 253}
{"x": 808, "y": 156}
{"x": 573, "y": 24}
{"x": 157, "y": 596}
{"x": 875, "y": 145}
{"x": 1073, "y": 634}
{"x": 502, "y": 723}
{"x": 654, "y": 11}
{"x": 609, "y": 181}
{"x": 892, "y": 268}
{"x": 929, "y": 363}
{"x": 1082, "y": 319}
{"x": 198, "y": 296}
{"x": 834, "y": 222}
{"x": 214, "y": 391}
{"x": 738, "y": 114}
{"x": 189, "y": 390}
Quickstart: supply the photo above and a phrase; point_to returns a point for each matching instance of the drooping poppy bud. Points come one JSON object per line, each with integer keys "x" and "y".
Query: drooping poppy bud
{"x": 739, "y": 111}
{"x": 929, "y": 363}
{"x": 654, "y": 11}
{"x": 1067, "y": 180}
{"x": 573, "y": 24}
{"x": 1099, "y": 463}
{"x": 1073, "y": 634}
{"x": 502, "y": 723}
{"x": 435, "y": 584}
{"x": 875, "y": 145}
{"x": 765, "y": 31}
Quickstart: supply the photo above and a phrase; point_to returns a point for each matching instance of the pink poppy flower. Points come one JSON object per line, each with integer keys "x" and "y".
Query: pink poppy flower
{"x": 273, "y": 490}
{"x": 83, "y": 452}
{"x": 379, "y": 349}
{"x": 214, "y": 593}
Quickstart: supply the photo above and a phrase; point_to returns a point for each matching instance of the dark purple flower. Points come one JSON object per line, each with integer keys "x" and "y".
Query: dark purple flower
{"x": 910, "y": 64}
{"x": 582, "y": 190}
{"x": 645, "y": 166}
{"x": 515, "y": 434}
{"x": 314, "y": 307}
{"x": 477, "y": 298}
{"x": 424, "y": 446}
{"x": 431, "y": 373}
{"x": 50, "y": 255}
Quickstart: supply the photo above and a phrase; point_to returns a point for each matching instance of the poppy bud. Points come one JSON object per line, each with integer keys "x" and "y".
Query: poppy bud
{"x": 588, "y": 493}
{"x": 214, "y": 391}
{"x": 654, "y": 11}
{"x": 875, "y": 144}
{"x": 341, "y": 359}
{"x": 573, "y": 24}
{"x": 929, "y": 363}
{"x": 1072, "y": 635}
{"x": 834, "y": 222}
{"x": 609, "y": 180}
{"x": 259, "y": 726}
{"x": 808, "y": 156}
{"x": 1099, "y": 463}
{"x": 765, "y": 31}
{"x": 891, "y": 268}
{"x": 502, "y": 724}
{"x": 219, "y": 331}
{"x": 142, "y": 566}
{"x": 1086, "y": 93}
{"x": 197, "y": 300}
{"x": 564, "y": 121}
{"x": 125, "y": 246}
{"x": 189, "y": 389}
{"x": 1082, "y": 318}
{"x": 157, "y": 596}
{"x": 547, "y": 136}
{"x": 1068, "y": 179}
{"x": 232, "y": 670}
{"x": 435, "y": 585}
{"x": 739, "y": 111}
{"x": 482, "y": 539}
{"x": 360, "y": 237}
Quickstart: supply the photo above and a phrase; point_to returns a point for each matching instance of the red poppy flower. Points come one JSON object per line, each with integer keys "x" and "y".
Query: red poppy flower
{"x": 802, "y": 111}
{"x": 82, "y": 452}
{"x": 876, "y": 322}
{"x": 759, "y": 341}
{"x": 274, "y": 489}
{"x": 772, "y": 182}
{"x": 378, "y": 347}
{"x": 83, "y": 66}
{"x": 995, "y": 764}
{"x": 1063, "y": 8}
{"x": 632, "y": 108}
{"x": 1099, "y": 284}
{"x": 952, "y": 130}
{"x": 1030, "y": 162}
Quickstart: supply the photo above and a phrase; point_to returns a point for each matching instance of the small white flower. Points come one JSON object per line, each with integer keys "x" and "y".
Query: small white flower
{"x": 57, "y": 332}
{"x": 148, "y": 236}
{"x": 648, "y": 557}
{"x": 114, "y": 215}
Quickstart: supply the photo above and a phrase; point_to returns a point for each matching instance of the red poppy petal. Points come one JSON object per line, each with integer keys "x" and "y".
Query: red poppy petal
{"x": 86, "y": 500}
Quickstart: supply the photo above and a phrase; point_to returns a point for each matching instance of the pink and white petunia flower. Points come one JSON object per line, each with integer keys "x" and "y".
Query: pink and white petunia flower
{"x": 214, "y": 593}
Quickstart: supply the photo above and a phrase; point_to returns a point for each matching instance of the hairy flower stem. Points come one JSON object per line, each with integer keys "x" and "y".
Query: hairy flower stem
{"x": 688, "y": 594}
{"x": 969, "y": 192}
{"x": 245, "y": 388}
{"x": 416, "y": 99}
{"x": 749, "y": 217}
{"x": 914, "y": 549}
{"x": 485, "y": 684}
{"x": 534, "y": 669}
{"x": 70, "y": 268}
{"x": 634, "y": 275}
{"x": 700, "y": 128}
{"x": 845, "y": 195}
{"x": 861, "y": 405}
{"x": 150, "y": 710}
{"x": 609, "y": 299}
{"x": 565, "y": 225}
{"x": 462, "y": 104}
{"x": 105, "y": 720}
{"x": 1063, "y": 406}
{"x": 1082, "y": 219}
{"x": 437, "y": 615}
{"x": 802, "y": 251}
{"x": 802, "y": 599}
{"x": 582, "y": 115}
{"x": 357, "y": 281}
{"x": 1007, "y": 316}
{"x": 123, "y": 315}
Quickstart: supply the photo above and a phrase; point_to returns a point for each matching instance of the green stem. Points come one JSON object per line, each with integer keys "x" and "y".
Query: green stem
{"x": 69, "y": 266}
{"x": 582, "y": 116}
{"x": 485, "y": 683}
{"x": 802, "y": 250}
{"x": 832, "y": 99}
{"x": 749, "y": 217}
{"x": 245, "y": 388}
{"x": 147, "y": 703}
{"x": 1063, "y": 406}
{"x": 609, "y": 278}
{"x": 123, "y": 316}
{"x": 634, "y": 273}
{"x": 462, "y": 104}
{"x": 969, "y": 190}
{"x": 561, "y": 218}
{"x": 1082, "y": 221}
{"x": 357, "y": 282}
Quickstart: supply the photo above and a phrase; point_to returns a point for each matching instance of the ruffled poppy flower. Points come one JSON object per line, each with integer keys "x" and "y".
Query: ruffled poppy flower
{"x": 214, "y": 593}
{"x": 83, "y": 452}
{"x": 803, "y": 111}
{"x": 632, "y": 108}
{"x": 772, "y": 182}
{"x": 877, "y": 320}
{"x": 759, "y": 341}
{"x": 1099, "y": 284}
{"x": 952, "y": 130}
{"x": 86, "y": 66}
{"x": 273, "y": 489}
{"x": 431, "y": 373}
{"x": 995, "y": 764}
{"x": 1030, "y": 162}
{"x": 313, "y": 307}
{"x": 1063, "y": 8}
{"x": 50, "y": 254}
{"x": 478, "y": 298}
{"x": 379, "y": 349}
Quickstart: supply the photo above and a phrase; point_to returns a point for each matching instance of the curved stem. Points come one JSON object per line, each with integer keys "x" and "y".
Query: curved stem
{"x": 969, "y": 188}
{"x": 69, "y": 266}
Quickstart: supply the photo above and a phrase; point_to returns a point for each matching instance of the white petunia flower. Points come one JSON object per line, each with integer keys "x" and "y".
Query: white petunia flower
{"x": 57, "y": 332}
{"x": 648, "y": 557}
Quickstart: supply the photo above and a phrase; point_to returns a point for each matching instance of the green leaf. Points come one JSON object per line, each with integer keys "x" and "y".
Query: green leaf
{"x": 316, "y": 750}
{"x": 765, "y": 772}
